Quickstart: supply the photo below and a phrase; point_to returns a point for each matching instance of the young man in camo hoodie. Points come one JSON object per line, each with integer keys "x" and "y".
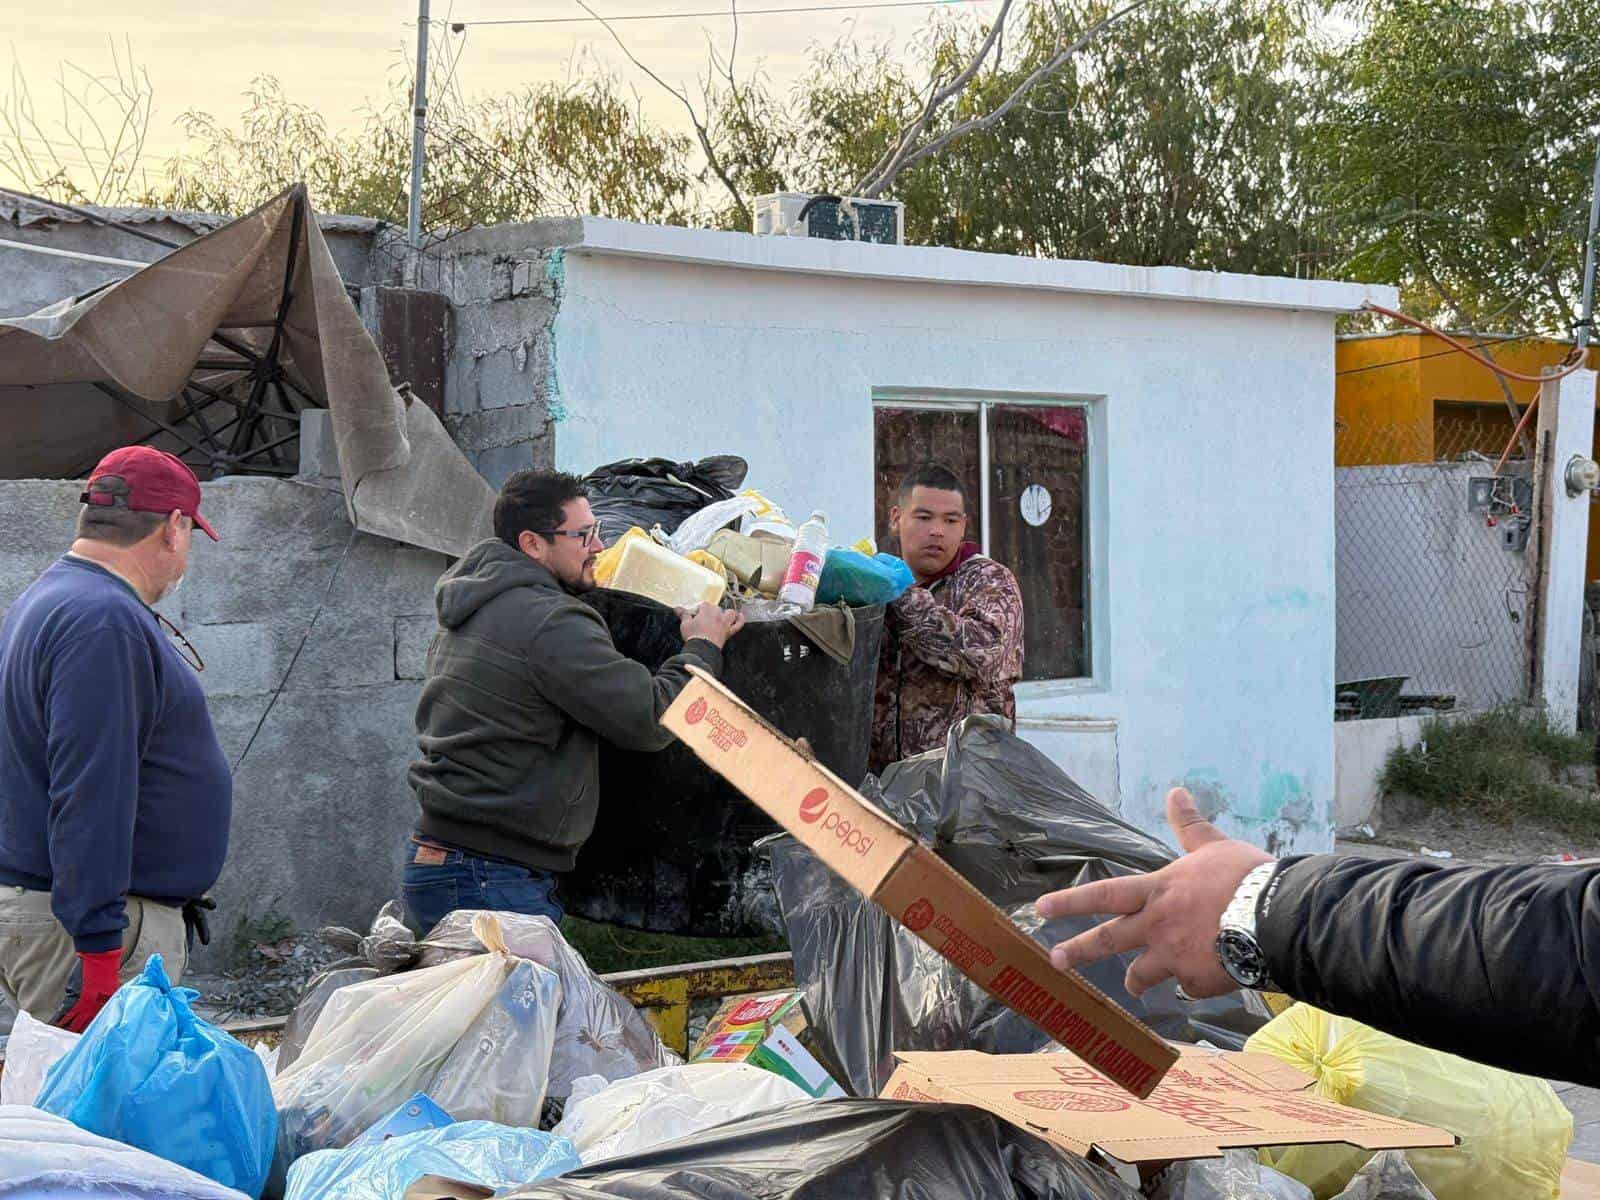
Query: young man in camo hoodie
{"x": 952, "y": 645}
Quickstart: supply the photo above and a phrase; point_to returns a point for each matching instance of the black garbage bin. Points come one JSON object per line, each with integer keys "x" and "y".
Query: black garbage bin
{"x": 671, "y": 849}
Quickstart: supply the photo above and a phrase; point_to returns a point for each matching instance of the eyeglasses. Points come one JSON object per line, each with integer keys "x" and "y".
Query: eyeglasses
{"x": 589, "y": 533}
{"x": 181, "y": 644}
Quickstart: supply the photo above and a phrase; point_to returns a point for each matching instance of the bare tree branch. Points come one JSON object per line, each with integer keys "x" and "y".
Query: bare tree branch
{"x": 701, "y": 132}
{"x": 889, "y": 165}
{"x": 903, "y": 154}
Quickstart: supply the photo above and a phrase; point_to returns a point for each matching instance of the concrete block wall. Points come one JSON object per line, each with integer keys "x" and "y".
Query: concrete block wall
{"x": 321, "y": 807}
{"x": 501, "y": 397}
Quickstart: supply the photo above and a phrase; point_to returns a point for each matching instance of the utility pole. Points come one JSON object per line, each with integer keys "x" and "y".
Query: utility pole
{"x": 419, "y": 112}
{"x": 1586, "y": 330}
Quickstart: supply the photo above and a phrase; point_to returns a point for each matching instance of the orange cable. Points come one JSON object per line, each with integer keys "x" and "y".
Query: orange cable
{"x": 1573, "y": 362}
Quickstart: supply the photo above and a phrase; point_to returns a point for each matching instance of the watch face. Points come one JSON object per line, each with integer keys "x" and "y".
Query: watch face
{"x": 1241, "y": 958}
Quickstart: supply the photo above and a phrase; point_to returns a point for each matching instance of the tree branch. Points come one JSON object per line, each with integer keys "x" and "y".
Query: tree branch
{"x": 701, "y": 132}
{"x": 878, "y": 180}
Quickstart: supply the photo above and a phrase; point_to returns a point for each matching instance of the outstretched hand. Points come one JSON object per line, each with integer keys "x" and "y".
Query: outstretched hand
{"x": 1171, "y": 915}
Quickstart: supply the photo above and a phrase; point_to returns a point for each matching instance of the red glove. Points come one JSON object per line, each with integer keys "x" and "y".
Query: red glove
{"x": 97, "y": 982}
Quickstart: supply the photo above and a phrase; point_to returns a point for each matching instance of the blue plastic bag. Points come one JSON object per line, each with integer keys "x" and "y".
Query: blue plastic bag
{"x": 480, "y": 1152}
{"x": 851, "y": 576}
{"x": 149, "y": 1073}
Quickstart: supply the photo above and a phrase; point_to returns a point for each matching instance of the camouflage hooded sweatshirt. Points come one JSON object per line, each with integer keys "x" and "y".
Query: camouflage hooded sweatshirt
{"x": 950, "y": 649}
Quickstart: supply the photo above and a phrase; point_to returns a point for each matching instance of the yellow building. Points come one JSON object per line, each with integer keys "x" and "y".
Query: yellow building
{"x": 1410, "y": 397}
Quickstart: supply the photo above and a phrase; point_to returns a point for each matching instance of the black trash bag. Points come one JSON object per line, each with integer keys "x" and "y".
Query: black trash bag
{"x": 389, "y": 946}
{"x": 1009, "y": 821}
{"x": 657, "y": 491}
{"x": 675, "y": 852}
{"x": 835, "y": 1149}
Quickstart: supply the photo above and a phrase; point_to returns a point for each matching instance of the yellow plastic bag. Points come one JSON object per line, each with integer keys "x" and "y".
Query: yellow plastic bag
{"x": 605, "y": 566}
{"x": 1514, "y": 1130}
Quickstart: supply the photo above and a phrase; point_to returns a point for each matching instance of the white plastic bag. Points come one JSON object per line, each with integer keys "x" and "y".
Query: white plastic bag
{"x": 480, "y": 1152}
{"x": 33, "y": 1049}
{"x": 475, "y": 1034}
{"x": 662, "y": 1106}
{"x": 45, "y": 1157}
{"x": 1237, "y": 1175}
{"x": 597, "y": 1032}
{"x": 697, "y": 528}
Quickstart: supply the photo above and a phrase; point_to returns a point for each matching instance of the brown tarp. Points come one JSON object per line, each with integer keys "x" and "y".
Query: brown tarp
{"x": 145, "y": 336}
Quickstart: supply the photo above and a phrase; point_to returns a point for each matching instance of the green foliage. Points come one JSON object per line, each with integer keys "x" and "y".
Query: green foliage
{"x": 1171, "y": 139}
{"x": 251, "y": 930}
{"x": 1442, "y": 145}
{"x": 607, "y": 948}
{"x": 1503, "y": 764}
{"x": 1453, "y": 152}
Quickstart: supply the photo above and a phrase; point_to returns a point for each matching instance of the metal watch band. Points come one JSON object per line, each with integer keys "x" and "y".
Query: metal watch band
{"x": 1237, "y": 946}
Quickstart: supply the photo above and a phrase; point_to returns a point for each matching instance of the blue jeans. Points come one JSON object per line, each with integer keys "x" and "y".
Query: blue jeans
{"x": 433, "y": 889}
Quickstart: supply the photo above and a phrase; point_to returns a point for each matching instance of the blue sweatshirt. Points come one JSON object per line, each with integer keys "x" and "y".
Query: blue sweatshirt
{"x": 112, "y": 780}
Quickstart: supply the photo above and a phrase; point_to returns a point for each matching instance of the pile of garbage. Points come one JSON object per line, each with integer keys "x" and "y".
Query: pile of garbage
{"x": 486, "y": 1058}
{"x": 678, "y": 534}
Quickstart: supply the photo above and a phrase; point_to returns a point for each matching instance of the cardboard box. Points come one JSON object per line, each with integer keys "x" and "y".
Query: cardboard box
{"x": 885, "y": 863}
{"x": 1210, "y": 1101}
{"x": 767, "y": 1031}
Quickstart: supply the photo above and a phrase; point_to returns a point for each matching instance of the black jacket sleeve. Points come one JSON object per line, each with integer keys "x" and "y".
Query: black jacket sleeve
{"x": 1496, "y": 964}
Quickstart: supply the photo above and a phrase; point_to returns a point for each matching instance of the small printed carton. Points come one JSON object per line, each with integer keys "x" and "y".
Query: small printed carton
{"x": 873, "y": 854}
{"x": 767, "y": 1031}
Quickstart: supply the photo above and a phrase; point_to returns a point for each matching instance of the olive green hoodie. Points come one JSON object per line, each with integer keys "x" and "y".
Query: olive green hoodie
{"x": 523, "y": 681}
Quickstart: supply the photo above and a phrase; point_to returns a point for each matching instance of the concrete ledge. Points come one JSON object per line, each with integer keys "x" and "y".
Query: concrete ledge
{"x": 1360, "y": 750}
{"x": 941, "y": 265}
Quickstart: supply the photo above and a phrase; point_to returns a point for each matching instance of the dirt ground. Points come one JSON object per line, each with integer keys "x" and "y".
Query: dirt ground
{"x": 1471, "y": 839}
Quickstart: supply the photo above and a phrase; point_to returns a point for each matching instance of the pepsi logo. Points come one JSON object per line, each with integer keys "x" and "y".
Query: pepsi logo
{"x": 697, "y": 712}
{"x": 918, "y": 917}
{"x": 814, "y": 805}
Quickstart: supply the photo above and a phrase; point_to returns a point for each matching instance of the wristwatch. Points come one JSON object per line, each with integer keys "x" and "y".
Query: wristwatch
{"x": 1237, "y": 946}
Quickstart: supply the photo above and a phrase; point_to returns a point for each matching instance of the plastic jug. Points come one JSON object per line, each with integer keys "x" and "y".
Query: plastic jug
{"x": 805, "y": 564}
{"x": 647, "y": 569}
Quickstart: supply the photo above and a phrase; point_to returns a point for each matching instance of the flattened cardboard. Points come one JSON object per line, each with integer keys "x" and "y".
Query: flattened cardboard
{"x": 882, "y": 861}
{"x": 1212, "y": 1100}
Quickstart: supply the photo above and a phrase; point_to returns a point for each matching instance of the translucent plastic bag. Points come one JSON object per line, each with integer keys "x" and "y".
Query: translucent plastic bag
{"x": 697, "y": 529}
{"x": 387, "y": 947}
{"x": 480, "y": 1152}
{"x": 1514, "y": 1130}
{"x": 46, "y": 1157}
{"x": 851, "y": 576}
{"x": 33, "y": 1049}
{"x": 475, "y": 1035}
{"x": 597, "y": 1031}
{"x": 151, "y": 1074}
{"x": 1237, "y": 1175}
{"x": 604, "y": 1121}
{"x": 1387, "y": 1176}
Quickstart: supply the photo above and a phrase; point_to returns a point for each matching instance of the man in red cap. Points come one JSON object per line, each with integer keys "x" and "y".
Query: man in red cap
{"x": 115, "y": 796}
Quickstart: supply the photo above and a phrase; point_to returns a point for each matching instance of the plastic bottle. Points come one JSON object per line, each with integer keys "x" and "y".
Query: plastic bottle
{"x": 805, "y": 564}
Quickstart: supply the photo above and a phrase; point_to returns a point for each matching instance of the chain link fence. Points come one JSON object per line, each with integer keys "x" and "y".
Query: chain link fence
{"x": 1433, "y": 569}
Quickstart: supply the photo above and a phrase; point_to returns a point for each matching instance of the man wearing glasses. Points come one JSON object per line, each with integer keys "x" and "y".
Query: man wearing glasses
{"x": 115, "y": 795}
{"x": 523, "y": 681}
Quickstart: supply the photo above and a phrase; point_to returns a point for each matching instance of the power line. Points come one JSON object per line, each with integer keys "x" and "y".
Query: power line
{"x": 460, "y": 26}
{"x": 1486, "y": 344}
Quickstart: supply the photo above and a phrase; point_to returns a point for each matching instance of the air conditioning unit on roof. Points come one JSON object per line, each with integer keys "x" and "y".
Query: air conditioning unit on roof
{"x": 841, "y": 219}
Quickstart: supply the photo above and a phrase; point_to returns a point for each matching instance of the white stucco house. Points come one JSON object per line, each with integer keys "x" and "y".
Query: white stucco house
{"x": 1151, "y": 449}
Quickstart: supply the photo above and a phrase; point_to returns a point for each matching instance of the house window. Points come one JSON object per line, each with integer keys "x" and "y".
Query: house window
{"x": 1026, "y": 464}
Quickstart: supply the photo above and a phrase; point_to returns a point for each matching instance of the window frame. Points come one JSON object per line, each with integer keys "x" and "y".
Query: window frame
{"x": 1094, "y": 499}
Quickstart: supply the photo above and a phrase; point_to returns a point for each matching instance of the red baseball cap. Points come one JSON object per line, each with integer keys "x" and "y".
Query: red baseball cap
{"x": 157, "y": 482}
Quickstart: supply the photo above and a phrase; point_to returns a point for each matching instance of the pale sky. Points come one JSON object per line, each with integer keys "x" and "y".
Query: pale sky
{"x": 336, "y": 55}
